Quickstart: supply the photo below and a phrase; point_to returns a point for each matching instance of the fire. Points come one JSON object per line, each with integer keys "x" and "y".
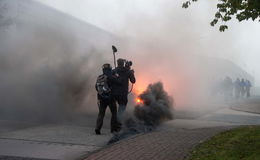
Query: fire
{"x": 138, "y": 100}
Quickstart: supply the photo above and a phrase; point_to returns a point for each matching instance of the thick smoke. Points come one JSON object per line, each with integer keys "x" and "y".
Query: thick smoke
{"x": 49, "y": 60}
{"x": 48, "y": 65}
{"x": 184, "y": 51}
{"x": 156, "y": 108}
{"x": 45, "y": 86}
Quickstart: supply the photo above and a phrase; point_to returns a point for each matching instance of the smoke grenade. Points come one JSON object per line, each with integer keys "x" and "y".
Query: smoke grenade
{"x": 156, "y": 108}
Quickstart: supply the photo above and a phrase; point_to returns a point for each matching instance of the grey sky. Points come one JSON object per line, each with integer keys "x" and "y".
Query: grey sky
{"x": 147, "y": 18}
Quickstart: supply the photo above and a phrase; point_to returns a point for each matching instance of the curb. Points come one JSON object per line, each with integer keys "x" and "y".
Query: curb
{"x": 241, "y": 110}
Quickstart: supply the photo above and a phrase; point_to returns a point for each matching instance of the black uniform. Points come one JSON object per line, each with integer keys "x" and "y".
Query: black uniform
{"x": 120, "y": 92}
{"x": 103, "y": 102}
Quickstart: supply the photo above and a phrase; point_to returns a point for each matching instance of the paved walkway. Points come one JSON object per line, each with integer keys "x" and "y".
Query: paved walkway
{"x": 48, "y": 142}
{"x": 175, "y": 139}
{"x": 170, "y": 144}
{"x": 70, "y": 141}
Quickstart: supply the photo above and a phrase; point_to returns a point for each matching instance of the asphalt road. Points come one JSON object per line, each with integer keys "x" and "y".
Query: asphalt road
{"x": 60, "y": 140}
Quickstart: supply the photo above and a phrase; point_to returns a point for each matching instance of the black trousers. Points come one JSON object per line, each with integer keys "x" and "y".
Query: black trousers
{"x": 102, "y": 105}
{"x": 121, "y": 99}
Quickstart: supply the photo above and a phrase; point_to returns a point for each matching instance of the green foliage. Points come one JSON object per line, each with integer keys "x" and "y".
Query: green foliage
{"x": 227, "y": 9}
{"x": 238, "y": 144}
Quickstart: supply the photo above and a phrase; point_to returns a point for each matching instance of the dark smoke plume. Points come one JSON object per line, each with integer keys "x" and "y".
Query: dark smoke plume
{"x": 155, "y": 109}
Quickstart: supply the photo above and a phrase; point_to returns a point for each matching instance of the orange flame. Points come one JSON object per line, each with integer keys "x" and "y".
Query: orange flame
{"x": 138, "y": 100}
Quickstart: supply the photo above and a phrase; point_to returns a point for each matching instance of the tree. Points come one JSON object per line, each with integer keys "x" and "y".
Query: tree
{"x": 227, "y": 9}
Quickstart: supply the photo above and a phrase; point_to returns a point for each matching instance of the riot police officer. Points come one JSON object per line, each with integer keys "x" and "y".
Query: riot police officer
{"x": 120, "y": 92}
{"x": 104, "y": 86}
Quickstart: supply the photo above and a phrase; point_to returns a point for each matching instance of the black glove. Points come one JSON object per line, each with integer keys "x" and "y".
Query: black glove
{"x": 132, "y": 71}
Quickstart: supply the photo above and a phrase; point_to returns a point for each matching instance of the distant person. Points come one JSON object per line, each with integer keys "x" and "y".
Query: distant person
{"x": 237, "y": 88}
{"x": 242, "y": 87}
{"x": 227, "y": 87}
{"x": 230, "y": 87}
{"x": 120, "y": 92}
{"x": 104, "y": 86}
{"x": 248, "y": 87}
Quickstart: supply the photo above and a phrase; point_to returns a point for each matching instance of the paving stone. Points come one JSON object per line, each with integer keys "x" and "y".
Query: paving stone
{"x": 158, "y": 145}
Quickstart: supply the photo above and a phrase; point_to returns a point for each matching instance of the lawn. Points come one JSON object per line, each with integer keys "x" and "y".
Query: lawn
{"x": 241, "y": 143}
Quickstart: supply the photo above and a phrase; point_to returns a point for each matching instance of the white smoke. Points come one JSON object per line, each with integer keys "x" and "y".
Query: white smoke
{"x": 48, "y": 65}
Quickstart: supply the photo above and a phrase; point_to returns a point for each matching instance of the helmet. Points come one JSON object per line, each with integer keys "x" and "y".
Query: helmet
{"x": 120, "y": 62}
{"x": 106, "y": 66}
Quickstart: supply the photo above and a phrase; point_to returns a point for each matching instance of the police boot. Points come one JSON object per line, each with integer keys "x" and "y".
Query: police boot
{"x": 97, "y": 132}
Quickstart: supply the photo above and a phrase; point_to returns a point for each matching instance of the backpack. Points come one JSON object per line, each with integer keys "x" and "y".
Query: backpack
{"x": 102, "y": 87}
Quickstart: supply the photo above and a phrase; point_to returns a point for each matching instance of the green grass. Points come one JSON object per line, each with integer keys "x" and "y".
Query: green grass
{"x": 241, "y": 143}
